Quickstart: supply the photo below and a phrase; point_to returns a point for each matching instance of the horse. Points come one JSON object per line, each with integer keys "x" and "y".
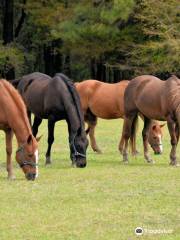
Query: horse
{"x": 55, "y": 99}
{"x": 13, "y": 119}
{"x": 105, "y": 100}
{"x": 154, "y": 99}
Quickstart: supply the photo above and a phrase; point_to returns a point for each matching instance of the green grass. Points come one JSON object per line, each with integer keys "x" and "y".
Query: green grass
{"x": 107, "y": 200}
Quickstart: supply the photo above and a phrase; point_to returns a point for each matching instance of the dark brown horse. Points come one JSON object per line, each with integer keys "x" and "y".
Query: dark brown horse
{"x": 13, "y": 118}
{"x": 104, "y": 100}
{"x": 154, "y": 99}
{"x": 55, "y": 99}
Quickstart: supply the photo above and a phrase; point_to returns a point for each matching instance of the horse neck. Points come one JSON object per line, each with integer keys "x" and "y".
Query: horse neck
{"x": 74, "y": 122}
{"x": 21, "y": 130}
{"x": 15, "y": 112}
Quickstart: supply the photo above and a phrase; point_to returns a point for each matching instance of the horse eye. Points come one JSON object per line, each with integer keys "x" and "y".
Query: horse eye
{"x": 155, "y": 138}
{"x": 30, "y": 155}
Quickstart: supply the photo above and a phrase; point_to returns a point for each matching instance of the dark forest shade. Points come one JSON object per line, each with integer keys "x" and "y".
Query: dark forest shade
{"x": 8, "y": 32}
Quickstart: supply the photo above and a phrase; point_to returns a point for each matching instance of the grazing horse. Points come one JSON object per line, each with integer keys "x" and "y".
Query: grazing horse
{"x": 104, "y": 100}
{"x": 55, "y": 99}
{"x": 13, "y": 118}
{"x": 154, "y": 99}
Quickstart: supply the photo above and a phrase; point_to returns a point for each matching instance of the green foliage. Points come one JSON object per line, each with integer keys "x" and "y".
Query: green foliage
{"x": 158, "y": 23}
{"x": 137, "y": 35}
{"x": 92, "y": 30}
{"x": 11, "y": 56}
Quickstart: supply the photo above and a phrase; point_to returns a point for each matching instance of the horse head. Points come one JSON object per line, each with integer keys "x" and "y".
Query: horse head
{"x": 78, "y": 147}
{"x": 27, "y": 157}
{"x": 155, "y": 137}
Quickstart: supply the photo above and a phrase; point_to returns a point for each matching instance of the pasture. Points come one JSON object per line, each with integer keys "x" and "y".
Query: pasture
{"x": 106, "y": 200}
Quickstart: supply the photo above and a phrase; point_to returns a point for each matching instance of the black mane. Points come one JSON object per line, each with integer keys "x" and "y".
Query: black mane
{"x": 71, "y": 87}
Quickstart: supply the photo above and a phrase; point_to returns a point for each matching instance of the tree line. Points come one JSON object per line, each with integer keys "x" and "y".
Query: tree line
{"x": 108, "y": 40}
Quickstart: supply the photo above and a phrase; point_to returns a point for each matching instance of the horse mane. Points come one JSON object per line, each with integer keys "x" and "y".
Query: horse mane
{"x": 17, "y": 99}
{"x": 71, "y": 87}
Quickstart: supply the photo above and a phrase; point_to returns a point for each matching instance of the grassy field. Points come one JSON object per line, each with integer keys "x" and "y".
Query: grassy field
{"x": 107, "y": 200}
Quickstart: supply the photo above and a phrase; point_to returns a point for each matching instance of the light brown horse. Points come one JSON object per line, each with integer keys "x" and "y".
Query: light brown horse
{"x": 104, "y": 100}
{"x": 13, "y": 118}
{"x": 154, "y": 99}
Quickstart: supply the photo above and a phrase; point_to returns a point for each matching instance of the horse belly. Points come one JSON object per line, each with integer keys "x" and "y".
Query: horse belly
{"x": 152, "y": 112}
{"x": 106, "y": 109}
{"x": 36, "y": 106}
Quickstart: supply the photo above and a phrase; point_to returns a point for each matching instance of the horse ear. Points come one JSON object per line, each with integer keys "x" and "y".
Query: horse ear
{"x": 162, "y": 125}
{"x": 153, "y": 127}
{"x": 15, "y": 82}
{"x": 29, "y": 140}
{"x": 39, "y": 138}
{"x": 87, "y": 130}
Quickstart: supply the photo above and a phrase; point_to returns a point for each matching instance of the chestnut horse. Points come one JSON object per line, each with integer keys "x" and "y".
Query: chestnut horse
{"x": 55, "y": 99}
{"x": 154, "y": 99}
{"x": 13, "y": 118}
{"x": 104, "y": 100}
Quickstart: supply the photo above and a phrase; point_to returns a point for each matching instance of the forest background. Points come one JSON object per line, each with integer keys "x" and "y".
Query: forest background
{"x": 108, "y": 40}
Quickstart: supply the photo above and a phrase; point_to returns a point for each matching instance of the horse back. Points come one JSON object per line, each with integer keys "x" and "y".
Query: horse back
{"x": 105, "y": 100}
{"x": 145, "y": 94}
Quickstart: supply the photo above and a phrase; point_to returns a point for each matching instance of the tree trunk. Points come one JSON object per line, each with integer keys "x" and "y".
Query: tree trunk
{"x": 8, "y": 21}
{"x": 8, "y": 32}
{"x": 21, "y": 21}
{"x": 93, "y": 68}
{"x": 58, "y": 57}
{"x": 67, "y": 65}
{"x": 99, "y": 71}
{"x": 48, "y": 60}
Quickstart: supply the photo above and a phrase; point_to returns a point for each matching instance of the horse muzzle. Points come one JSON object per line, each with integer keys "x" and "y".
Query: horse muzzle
{"x": 79, "y": 162}
{"x": 30, "y": 176}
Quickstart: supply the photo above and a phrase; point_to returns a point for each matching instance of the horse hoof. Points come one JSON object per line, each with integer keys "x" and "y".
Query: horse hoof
{"x": 151, "y": 161}
{"x": 98, "y": 151}
{"x": 48, "y": 161}
{"x": 177, "y": 165}
{"x": 125, "y": 162}
{"x": 174, "y": 164}
{"x": 11, "y": 178}
{"x": 73, "y": 165}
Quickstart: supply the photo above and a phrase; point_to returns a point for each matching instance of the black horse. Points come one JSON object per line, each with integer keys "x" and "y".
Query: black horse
{"x": 55, "y": 99}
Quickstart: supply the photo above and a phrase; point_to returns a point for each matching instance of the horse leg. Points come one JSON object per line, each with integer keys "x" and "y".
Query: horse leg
{"x": 134, "y": 151}
{"x": 121, "y": 144}
{"x": 91, "y": 126}
{"x": 9, "y": 167}
{"x": 177, "y": 132}
{"x": 145, "y": 131}
{"x": 91, "y": 120}
{"x": 126, "y": 134}
{"x": 173, "y": 134}
{"x": 51, "y": 124}
{"x": 37, "y": 122}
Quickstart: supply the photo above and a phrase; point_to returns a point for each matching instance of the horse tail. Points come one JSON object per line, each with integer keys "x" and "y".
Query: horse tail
{"x": 75, "y": 96}
{"x": 133, "y": 134}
